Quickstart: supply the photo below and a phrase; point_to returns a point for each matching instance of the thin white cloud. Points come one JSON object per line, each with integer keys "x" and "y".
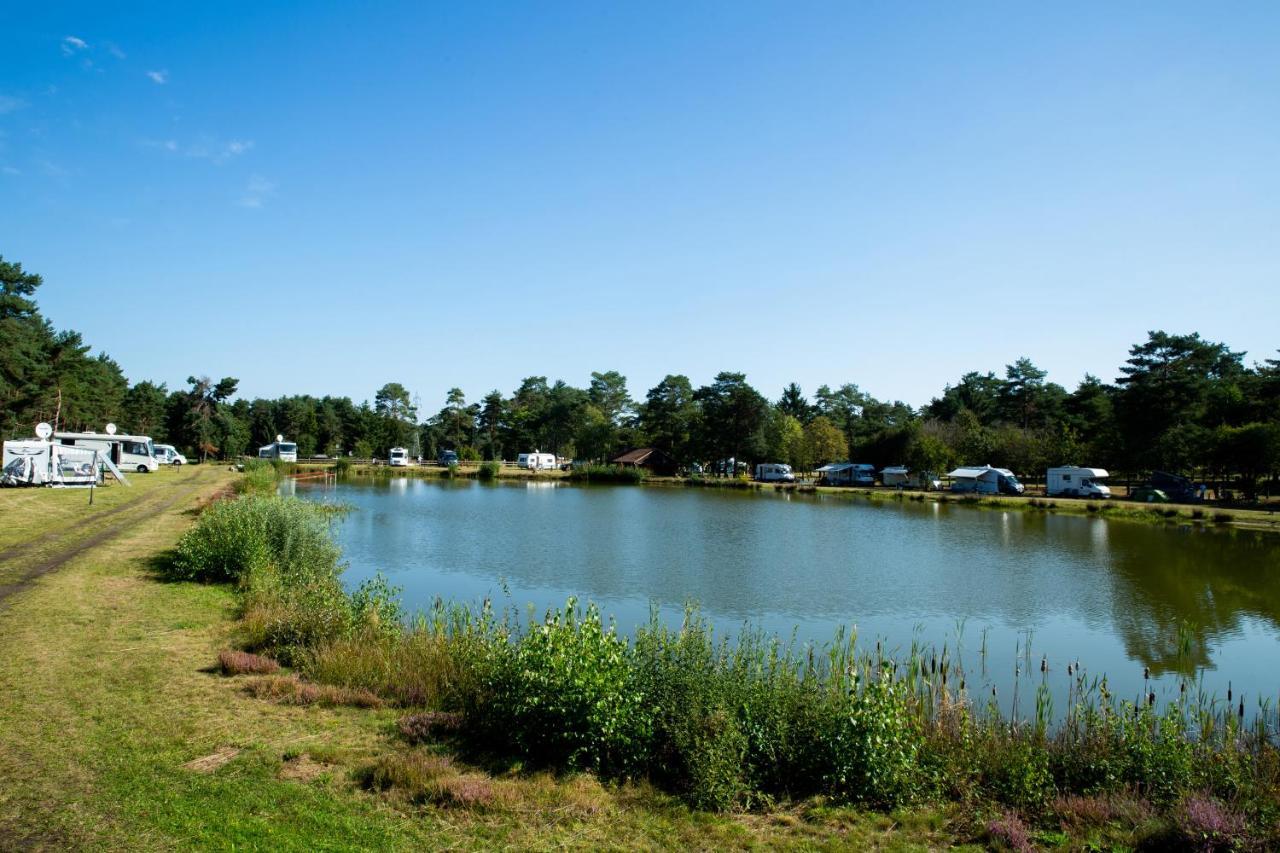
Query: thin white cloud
{"x": 115, "y": 51}
{"x": 72, "y": 45}
{"x": 258, "y": 191}
{"x": 160, "y": 77}
{"x": 9, "y": 104}
{"x": 10, "y": 170}
{"x": 206, "y": 148}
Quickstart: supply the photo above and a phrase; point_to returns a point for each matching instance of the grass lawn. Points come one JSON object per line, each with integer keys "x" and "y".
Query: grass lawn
{"x": 116, "y": 733}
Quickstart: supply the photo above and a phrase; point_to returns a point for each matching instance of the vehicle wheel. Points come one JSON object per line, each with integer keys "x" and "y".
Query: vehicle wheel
{"x": 177, "y": 463}
{"x": 142, "y": 469}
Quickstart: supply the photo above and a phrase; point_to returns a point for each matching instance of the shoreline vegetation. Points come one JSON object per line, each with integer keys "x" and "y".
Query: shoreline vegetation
{"x": 1260, "y": 520}
{"x": 737, "y": 726}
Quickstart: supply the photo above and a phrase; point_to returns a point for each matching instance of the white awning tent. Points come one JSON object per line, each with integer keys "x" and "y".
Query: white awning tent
{"x": 33, "y": 462}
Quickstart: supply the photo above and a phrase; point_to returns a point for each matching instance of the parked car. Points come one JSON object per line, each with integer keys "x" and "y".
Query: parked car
{"x": 448, "y": 457}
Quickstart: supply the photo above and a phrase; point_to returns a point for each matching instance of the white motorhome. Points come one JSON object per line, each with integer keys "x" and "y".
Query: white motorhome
{"x": 536, "y": 461}
{"x": 398, "y": 457}
{"x": 285, "y": 451}
{"x": 126, "y": 452}
{"x": 1072, "y": 481}
{"x": 774, "y": 472}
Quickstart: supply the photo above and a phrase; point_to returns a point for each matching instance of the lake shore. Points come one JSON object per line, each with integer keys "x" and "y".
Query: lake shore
{"x": 1205, "y": 515}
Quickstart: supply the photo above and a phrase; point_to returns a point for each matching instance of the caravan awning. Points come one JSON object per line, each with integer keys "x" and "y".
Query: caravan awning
{"x": 969, "y": 473}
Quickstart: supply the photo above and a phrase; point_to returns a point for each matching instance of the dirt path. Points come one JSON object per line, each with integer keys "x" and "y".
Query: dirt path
{"x": 139, "y": 511}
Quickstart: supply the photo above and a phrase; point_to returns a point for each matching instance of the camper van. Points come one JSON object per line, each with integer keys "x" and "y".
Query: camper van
{"x": 285, "y": 451}
{"x": 985, "y": 480}
{"x": 1071, "y": 481}
{"x": 536, "y": 461}
{"x": 398, "y": 457}
{"x": 902, "y": 477}
{"x": 126, "y": 452}
{"x": 773, "y": 472}
{"x": 167, "y": 454}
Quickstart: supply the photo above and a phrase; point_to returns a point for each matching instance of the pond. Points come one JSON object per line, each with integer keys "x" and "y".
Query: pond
{"x": 1001, "y": 589}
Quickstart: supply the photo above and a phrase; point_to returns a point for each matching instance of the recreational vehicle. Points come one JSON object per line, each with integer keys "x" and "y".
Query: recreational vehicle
{"x": 126, "y": 452}
{"x": 536, "y": 461}
{"x": 904, "y": 478}
{"x": 167, "y": 454}
{"x": 985, "y": 480}
{"x": 773, "y": 472}
{"x": 285, "y": 451}
{"x": 398, "y": 457}
{"x": 1076, "y": 482}
{"x": 848, "y": 474}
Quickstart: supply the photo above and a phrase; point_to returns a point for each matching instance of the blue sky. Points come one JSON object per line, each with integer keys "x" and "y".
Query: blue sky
{"x": 323, "y": 198}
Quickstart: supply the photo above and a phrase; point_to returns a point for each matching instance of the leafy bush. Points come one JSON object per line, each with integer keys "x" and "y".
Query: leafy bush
{"x": 874, "y": 746}
{"x": 566, "y": 695}
{"x": 260, "y": 478}
{"x": 236, "y": 538}
{"x": 489, "y": 470}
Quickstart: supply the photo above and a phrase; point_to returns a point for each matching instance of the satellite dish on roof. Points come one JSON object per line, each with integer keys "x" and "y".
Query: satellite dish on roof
{"x": 111, "y": 429}
{"x": 43, "y": 430}
{"x": 279, "y": 438}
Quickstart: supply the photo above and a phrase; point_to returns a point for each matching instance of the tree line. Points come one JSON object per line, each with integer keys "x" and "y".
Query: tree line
{"x": 1180, "y": 403}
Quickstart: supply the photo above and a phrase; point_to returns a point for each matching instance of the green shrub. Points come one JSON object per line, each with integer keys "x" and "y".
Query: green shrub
{"x": 489, "y": 470}
{"x": 873, "y": 748}
{"x": 565, "y": 696}
{"x": 342, "y": 466}
{"x": 234, "y": 538}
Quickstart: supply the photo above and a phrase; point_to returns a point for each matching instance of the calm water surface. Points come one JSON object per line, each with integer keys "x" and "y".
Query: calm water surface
{"x": 1117, "y": 596}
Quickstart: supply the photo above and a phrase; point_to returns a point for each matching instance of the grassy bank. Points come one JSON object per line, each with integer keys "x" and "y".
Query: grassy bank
{"x": 118, "y": 730}
{"x": 733, "y": 729}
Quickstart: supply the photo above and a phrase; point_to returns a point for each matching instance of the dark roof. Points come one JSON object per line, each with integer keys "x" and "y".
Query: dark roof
{"x": 639, "y": 456}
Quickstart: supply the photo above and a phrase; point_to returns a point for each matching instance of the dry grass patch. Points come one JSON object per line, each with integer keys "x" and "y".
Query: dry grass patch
{"x": 291, "y": 690}
{"x": 429, "y": 726}
{"x": 211, "y": 762}
{"x": 231, "y": 662}
{"x": 427, "y": 778}
{"x": 303, "y": 768}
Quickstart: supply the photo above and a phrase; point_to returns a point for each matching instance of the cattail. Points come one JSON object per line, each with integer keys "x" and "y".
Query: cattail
{"x": 1242, "y": 707}
{"x": 933, "y": 665}
{"x": 962, "y": 684}
{"x": 1151, "y": 698}
{"x": 1068, "y": 670}
{"x": 993, "y": 691}
{"x": 1228, "y": 691}
{"x": 1146, "y": 673}
{"x": 1044, "y": 665}
{"x": 1182, "y": 688}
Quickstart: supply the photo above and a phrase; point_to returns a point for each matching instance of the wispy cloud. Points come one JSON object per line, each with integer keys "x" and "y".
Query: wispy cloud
{"x": 216, "y": 151}
{"x": 10, "y": 170}
{"x": 71, "y": 45}
{"x": 114, "y": 50}
{"x": 9, "y": 104}
{"x": 258, "y": 191}
{"x": 160, "y": 77}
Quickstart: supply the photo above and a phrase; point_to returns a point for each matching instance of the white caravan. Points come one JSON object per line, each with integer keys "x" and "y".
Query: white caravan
{"x": 774, "y": 472}
{"x": 1071, "y": 481}
{"x": 285, "y": 451}
{"x": 41, "y": 462}
{"x": 536, "y": 461}
{"x": 398, "y": 457}
{"x": 126, "y": 452}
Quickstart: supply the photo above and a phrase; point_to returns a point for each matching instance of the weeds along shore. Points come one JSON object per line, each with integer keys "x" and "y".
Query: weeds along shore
{"x": 726, "y": 725}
